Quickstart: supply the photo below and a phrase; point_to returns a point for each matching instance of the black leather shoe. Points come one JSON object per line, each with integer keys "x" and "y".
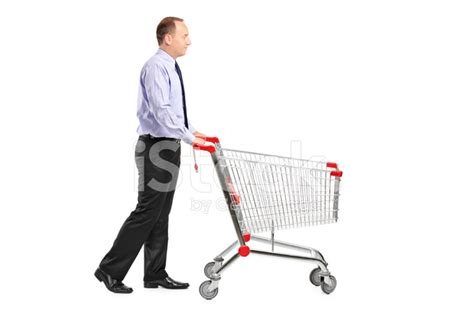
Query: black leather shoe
{"x": 167, "y": 283}
{"x": 111, "y": 284}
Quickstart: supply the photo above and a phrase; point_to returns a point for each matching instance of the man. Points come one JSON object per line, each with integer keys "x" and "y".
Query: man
{"x": 163, "y": 123}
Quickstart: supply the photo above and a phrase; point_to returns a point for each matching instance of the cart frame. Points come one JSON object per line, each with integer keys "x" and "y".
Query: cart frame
{"x": 320, "y": 276}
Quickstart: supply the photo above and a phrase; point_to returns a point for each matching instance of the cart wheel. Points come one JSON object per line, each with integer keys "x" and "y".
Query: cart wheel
{"x": 327, "y": 288}
{"x": 208, "y": 269}
{"x": 315, "y": 277}
{"x": 203, "y": 290}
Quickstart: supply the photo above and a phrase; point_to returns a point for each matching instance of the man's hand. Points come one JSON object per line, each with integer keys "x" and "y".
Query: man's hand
{"x": 199, "y": 135}
{"x": 198, "y": 141}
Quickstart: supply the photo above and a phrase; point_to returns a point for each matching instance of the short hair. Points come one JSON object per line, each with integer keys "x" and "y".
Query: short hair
{"x": 166, "y": 26}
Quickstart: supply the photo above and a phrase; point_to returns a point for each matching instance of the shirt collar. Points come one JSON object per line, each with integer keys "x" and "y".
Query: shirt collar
{"x": 165, "y": 56}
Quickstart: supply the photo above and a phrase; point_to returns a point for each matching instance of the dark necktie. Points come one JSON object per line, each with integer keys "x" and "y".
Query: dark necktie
{"x": 184, "y": 97}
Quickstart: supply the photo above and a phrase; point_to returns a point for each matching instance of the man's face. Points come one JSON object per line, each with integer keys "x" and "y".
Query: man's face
{"x": 180, "y": 39}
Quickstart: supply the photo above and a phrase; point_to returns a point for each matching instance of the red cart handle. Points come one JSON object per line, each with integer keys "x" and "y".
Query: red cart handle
{"x": 334, "y": 173}
{"x": 208, "y": 148}
{"x": 214, "y": 140}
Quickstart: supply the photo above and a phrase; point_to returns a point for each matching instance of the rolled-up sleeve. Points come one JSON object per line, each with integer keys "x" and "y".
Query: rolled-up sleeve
{"x": 156, "y": 83}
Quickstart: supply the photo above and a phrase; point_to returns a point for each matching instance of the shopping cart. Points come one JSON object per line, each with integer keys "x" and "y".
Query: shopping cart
{"x": 265, "y": 193}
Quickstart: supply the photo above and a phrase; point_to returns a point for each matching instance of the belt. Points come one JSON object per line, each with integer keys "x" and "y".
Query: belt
{"x": 157, "y": 139}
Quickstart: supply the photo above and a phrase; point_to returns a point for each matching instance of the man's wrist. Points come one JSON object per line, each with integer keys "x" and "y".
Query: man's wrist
{"x": 189, "y": 138}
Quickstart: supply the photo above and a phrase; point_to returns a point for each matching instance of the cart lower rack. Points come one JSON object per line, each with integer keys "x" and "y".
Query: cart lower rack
{"x": 265, "y": 193}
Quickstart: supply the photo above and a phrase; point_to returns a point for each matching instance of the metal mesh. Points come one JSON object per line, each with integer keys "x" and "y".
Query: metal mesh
{"x": 272, "y": 192}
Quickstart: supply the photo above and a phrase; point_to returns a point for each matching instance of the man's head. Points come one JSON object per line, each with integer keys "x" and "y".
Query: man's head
{"x": 172, "y": 35}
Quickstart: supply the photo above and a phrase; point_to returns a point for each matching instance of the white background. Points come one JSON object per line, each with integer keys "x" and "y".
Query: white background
{"x": 384, "y": 88}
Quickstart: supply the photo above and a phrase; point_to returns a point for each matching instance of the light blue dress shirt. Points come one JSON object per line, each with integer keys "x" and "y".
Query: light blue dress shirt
{"x": 160, "y": 101}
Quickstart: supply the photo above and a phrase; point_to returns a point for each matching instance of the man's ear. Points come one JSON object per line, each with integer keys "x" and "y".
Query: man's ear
{"x": 168, "y": 39}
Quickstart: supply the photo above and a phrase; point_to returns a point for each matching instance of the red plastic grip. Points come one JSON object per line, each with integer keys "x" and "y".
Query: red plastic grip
{"x": 331, "y": 165}
{"x": 214, "y": 140}
{"x": 336, "y": 173}
{"x": 209, "y": 148}
{"x": 246, "y": 237}
{"x": 244, "y": 251}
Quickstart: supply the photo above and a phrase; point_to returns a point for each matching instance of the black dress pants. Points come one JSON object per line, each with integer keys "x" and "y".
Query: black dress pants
{"x": 158, "y": 161}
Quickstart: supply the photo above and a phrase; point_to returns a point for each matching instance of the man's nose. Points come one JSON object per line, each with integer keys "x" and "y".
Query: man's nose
{"x": 189, "y": 41}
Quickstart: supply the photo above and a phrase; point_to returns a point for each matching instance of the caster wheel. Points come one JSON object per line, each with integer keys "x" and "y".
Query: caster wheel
{"x": 328, "y": 289}
{"x": 204, "y": 290}
{"x": 315, "y": 277}
{"x": 208, "y": 269}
